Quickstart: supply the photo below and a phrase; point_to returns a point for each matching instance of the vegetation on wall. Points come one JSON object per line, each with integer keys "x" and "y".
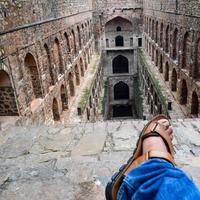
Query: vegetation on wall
{"x": 104, "y": 98}
{"x": 154, "y": 81}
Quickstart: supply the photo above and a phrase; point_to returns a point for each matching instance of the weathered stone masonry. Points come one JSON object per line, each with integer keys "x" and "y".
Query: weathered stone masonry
{"x": 45, "y": 60}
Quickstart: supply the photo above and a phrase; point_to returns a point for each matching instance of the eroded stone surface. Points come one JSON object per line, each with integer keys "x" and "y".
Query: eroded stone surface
{"x": 40, "y": 163}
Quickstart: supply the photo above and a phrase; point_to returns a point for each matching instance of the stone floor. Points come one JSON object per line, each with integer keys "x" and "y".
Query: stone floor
{"x": 75, "y": 162}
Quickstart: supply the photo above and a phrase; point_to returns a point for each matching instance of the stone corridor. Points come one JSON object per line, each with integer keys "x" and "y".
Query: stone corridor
{"x": 68, "y": 162}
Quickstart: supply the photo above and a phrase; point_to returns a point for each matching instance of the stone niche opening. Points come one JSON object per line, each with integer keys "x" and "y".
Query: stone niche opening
{"x": 120, "y": 65}
{"x": 122, "y": 111}
{"x": 121, "y": 91}
{"x": 33, "y": 75}
{"x": 7, "y": 98}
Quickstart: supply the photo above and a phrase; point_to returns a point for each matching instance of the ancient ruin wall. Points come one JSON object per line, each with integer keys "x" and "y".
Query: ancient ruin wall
{"x": 18, "y": 13}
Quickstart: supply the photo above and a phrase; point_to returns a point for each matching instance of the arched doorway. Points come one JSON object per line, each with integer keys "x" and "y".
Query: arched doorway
{"x": 120, "y": 64}
{"x": 167, "y": 39}
{"x": 64, "y": 97}
{"x": 174, "y": 44}
{"x": 196, "y": 69}
{"x": 49, "y": 64}
{"x": 186, "y": 51}
{"x": 161, "y": 34}
{"x": 82, "y": 67}
{"x": 74, "y": 42}
{"x": 79, "y": 37}
{"x": 195, "y": 104}
{"x": 67, "y": 42}
{"x": 121, "y": 91}
{"x": 118, "y": 29}
{"x": 156, "y": 58}
{"x": 166, "y": 71}
{"x": 71, "y": 84}
{"x": 119, "y": 41}
{"x": 174, "y": 81}
{"x": 77, "y": 75}
{"x": 8, "y": 105}
{"x": 58, "y": 56}
{"x": 33, "y": 74}
{"x": 161, "y": 64}
{"x": 183, "y": 93}
{"x": 56, "y": 115}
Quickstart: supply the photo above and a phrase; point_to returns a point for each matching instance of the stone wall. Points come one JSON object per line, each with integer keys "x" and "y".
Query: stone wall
{"x": 171, "y": 31}
{"x": 36, "y": 11}
{"x": 7, "y": 102}
{"x": 57, "y": 46}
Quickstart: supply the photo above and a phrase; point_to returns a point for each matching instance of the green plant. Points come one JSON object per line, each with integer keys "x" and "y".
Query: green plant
{"x": 154, "y": 81}
{"x": 84, "y": 99}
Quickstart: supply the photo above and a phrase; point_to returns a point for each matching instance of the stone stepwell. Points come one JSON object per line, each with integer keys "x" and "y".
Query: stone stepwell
{"x": 75, "y": 162}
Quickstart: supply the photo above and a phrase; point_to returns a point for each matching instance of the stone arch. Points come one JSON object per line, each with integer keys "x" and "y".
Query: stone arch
{"x": 77, "y": 75}
{"x": 55, "y": 110}
{"x": 49, "y": 64}
{"x": 121, "y": 91}
{"x": 32, "y": 71}
{"x": 167, "y": 71}
{"x": 8, "y": 105}
{"x": 183, "y": 93}
{"x": 119, "y": 41}
{"x": 79, "y": 37}
{"x": 74, "y": 42}
{"x": 156, "y": 57}
{"x": 64, "y": 97}
{"x": 120, "y": 64}
{"x": 167, "y": 39}
{"x": 71, "y": 84}
{"x": 150, "y": 27}
{"x": 174, "y": 44}
{"x": 67, "y": 42}
{"x": 58, "y": 56}
{"x": 196, "y": 69}
{"x": 195, "y": 104}
{"x": 156, "y": 37}
{"x": 152, "y": 33}
{"x": 82, "y": 67}
{"x": 118, "y": 18}
{"x": 186, "y": 51}
{"x": 161, "y": 64}
{"x": 174, "y": 81}
{"x": 161, "y": 34}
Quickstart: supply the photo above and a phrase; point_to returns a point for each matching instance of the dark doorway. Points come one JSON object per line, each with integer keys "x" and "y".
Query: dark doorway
{"x": 166, "y": 71}
{"x": 56, "y": 115}
{"x": 139, "y": 42}
{"x": 119, "y": 41}
{"x": 195, "y": 104}
{"x": 119, "y": 29}
{"x": 120, "y": 64}
{"x": 174, "y": 80}
{"x": 121, "y": 91}
{"x": 122, "y": 111}
{"x": 64, "y": 97}
{"x": 184, "y": 93}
